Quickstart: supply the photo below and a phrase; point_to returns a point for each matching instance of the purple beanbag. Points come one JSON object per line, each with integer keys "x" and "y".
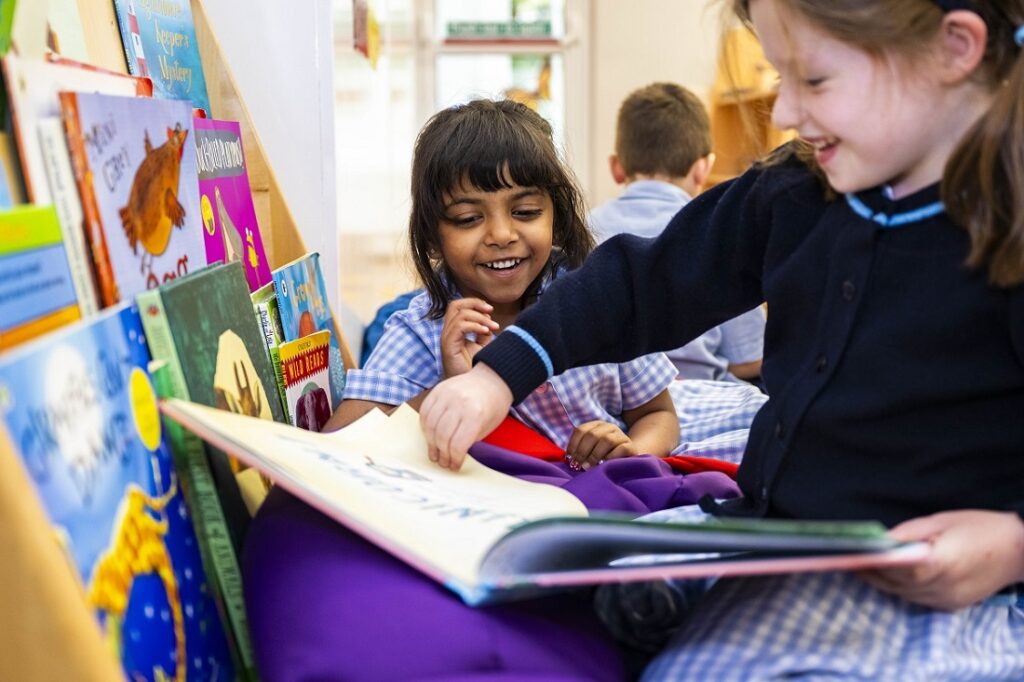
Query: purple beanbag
{"x": 324, "y": 604}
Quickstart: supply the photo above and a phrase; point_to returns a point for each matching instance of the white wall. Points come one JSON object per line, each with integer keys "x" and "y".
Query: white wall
{"x": 638, "y": 42}
{"x": 281, "y": 55}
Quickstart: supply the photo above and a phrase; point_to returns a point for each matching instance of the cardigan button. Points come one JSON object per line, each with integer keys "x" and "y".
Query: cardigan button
{"x": 780, "y": 432}
{"x": 849, "y": 289}
{"x": 820, "y": 364}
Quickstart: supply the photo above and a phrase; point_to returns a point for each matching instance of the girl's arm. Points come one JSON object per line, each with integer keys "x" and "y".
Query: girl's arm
{"x": 975, "y": 553}
{"x": 651, "y": 429}
{"x": 352, "y": 409}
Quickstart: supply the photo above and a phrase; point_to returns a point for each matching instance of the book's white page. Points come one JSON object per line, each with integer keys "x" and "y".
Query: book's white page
{"x": 374, "y": 477}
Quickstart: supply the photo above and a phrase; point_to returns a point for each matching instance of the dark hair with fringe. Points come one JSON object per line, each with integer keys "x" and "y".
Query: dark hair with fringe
{"x": 983, "y": 182}
{"x": 491, "y": 145}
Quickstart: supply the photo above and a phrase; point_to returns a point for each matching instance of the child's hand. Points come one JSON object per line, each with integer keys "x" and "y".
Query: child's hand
{"x": 465, "y": 316}
{"x": 460, "y": 411}
{"x": 596, "y": 441}
{"x": 974, "y": 554}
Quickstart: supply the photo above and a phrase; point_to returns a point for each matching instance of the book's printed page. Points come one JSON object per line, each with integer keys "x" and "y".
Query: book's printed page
{"x": 37, "y": 293}
{"x": 32, "y": 87}
{"x": 229, "y": 217}
{"x": 304, "y": 308}
{"x": 160, "y": 43}
{"x": 375, "y": 478}
{"x": 304, "y": 364}
{"x": 83, "y": 416}
{"x": 136, "y": 169}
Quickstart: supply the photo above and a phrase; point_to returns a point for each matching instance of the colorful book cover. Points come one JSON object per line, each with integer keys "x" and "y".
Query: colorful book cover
{"x": 304, "y": 365}
{"x": 61, "y": 177}
{"x": 160, "y": 43}
{"x": 37, "y": 293}
{"x": 304, "y": 308}
{"x": 264, "y": 304}
{"x": 83, "y": 416}
{"x": 32, "y": 86}
{"x": 202, "y": 331}
{"x": 225, "y": 199}
{"x": 136, "y": 175}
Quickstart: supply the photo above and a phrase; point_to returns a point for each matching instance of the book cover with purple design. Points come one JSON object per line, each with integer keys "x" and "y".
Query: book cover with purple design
{"x": 230, "y": 229}
{"x": 83, "y": 417}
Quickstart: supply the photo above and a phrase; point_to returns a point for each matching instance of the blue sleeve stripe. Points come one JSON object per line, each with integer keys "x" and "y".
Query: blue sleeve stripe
{"x": 535, "y": 346}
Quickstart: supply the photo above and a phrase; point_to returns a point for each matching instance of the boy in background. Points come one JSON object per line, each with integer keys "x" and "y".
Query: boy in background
{"x": 663, "y": 156}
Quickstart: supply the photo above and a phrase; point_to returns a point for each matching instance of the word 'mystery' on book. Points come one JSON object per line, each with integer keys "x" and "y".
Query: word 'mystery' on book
{"x": 159, "y": 38}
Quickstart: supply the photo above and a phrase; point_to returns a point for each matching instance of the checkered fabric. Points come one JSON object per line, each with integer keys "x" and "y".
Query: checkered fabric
{"x": 713, "y": 416}
{"x": 812, "y": 626}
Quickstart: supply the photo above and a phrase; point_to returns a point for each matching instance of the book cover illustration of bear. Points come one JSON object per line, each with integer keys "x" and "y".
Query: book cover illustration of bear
{"x": 136, "y": 175}
{"x": 304, "y": 309}
{"x": 304, "y": 373}
{"x": 83, "y": 417}
{"x": 159, "y": 38}
{"x": 230, "y": 229}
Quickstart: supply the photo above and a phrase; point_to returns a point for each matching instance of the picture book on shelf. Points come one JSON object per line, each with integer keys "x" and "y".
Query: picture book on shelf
{"x": 304, "y": 308}
{"x": 32, "y": 86}
{"x": 136, "y": 173}
{"x": 63, "y": 191}
{"x": 37, "y": 293}
{"x": 304, "y": 365}
{"x": 488, "y": 536}
{"x": 230, "y": 229}
{"x": 83, "y": 417}
{"x": 264, "y": 304}
{"x": 160, "y": 43}
{"x": 207, "y": 347}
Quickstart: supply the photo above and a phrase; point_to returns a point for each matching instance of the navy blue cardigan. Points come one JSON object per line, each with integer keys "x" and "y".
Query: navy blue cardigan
{"x": 895, "y": 373}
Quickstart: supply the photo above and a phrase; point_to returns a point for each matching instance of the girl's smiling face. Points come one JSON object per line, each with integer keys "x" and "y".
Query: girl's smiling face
{"x": 495, "y": 244}
{"x": 871, "y": 120}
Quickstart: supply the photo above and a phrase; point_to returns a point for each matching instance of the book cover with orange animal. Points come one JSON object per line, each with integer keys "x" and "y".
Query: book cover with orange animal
{"x": 135, "y": 168}
{"x": 230, "y": 228}
{"x": 82, "y": 414}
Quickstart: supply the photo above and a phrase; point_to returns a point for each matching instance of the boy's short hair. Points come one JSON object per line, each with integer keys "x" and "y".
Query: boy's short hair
{"x": 662, "y": 129}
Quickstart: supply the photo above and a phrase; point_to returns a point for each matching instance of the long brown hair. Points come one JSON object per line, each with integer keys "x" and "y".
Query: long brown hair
{"x": 492, "y": 145}
{"x": 983, "y": 182}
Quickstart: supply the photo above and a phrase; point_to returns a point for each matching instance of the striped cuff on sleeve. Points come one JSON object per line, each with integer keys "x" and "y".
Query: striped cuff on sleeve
{"x": 519, "y": 360}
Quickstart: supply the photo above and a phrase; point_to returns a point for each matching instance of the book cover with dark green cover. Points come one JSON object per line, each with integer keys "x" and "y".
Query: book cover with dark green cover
{"x": 219, "y": 342}
{"x": 204, "y": 336}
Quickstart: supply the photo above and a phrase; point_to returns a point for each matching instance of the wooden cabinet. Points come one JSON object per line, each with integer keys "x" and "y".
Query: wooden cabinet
{"x": 741, "y": 102}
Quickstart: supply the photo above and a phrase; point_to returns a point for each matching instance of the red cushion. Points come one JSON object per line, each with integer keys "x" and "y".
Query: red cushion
{"x": 516, "y": 436}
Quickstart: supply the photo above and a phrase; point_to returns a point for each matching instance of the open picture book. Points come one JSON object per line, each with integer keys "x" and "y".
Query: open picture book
{"x": 488, "y": 536}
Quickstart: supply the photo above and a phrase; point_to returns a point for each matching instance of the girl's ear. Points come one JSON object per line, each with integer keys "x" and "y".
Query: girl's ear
{"x": 963, "y": 39}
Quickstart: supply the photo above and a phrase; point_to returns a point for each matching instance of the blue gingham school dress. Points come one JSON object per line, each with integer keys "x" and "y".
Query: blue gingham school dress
{"x": 812, "y": 627}
{"x": 714, "y": 416}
